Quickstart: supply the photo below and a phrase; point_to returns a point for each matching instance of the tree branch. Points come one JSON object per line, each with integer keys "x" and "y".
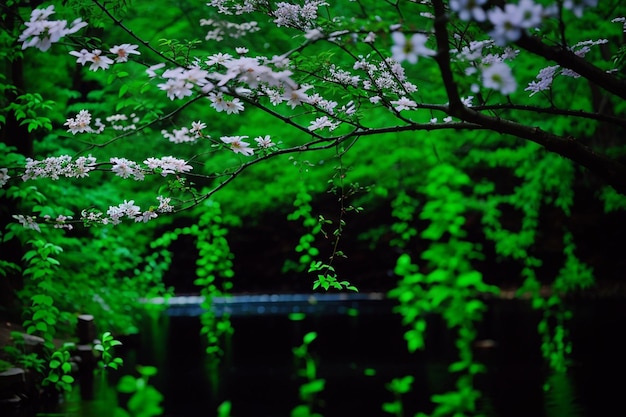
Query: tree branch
{"x": 568, "y": 59}
{"x": 612, "y": 171}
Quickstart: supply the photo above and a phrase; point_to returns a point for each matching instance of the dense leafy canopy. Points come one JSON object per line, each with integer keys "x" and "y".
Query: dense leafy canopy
{"x": 445, "y": 148}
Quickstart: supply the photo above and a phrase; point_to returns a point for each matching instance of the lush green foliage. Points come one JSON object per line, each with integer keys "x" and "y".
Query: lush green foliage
{"x": 307, "y": 369}
{"x": 145, "y": 400}
{"x": 447, "y": 203}
{"x": 60, "y": 370}
{"x": 106, "y": 347}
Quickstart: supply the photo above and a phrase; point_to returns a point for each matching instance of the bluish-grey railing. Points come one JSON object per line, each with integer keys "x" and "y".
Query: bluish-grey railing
{"x": 279, "y": 304}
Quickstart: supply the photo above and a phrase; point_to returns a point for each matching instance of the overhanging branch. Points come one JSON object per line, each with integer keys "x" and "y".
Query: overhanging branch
{"x": 613, "y": 172}
{"x": 568, "y": 59}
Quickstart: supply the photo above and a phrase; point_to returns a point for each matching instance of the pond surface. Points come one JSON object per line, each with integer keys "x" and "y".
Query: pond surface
{"x": 358, "y": 354}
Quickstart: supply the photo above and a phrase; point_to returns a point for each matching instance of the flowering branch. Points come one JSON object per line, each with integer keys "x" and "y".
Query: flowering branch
{"x": 569, "y": 59}
{"x": 612, "y": 171}
{"x": 364, "y": 87}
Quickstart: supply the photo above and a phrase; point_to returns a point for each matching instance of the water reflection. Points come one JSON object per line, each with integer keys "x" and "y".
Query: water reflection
{"x": 358, "y": 355}
{"x": 560, "y": 397}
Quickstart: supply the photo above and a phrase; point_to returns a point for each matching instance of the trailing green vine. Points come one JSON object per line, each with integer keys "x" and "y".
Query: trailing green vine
{"x": 307, "y": 369}
{"x": 214, "y": 270}
{"x": 546, "y": 181}
{"x": 325, "y": 271}
{"x": 446, "y": 283}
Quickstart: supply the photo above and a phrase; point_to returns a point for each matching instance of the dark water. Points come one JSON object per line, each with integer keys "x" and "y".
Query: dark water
{"x": 358, "y": 354}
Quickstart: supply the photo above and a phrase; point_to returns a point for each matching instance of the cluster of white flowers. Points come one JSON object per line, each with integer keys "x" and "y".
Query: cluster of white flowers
{"x": 4, "y": 176}
{"x": 121, "y": 121}
{"x": 222, "y": 28}
{"x": 544, "y": 80}
{"x": 65, "y": 166}
{"x": 511, "y": 21}
{"x": 55, "y": 167}
{"x": 264, "y": 142}
{"x": 60, "y": 222}
{"x": 197, "y": 127}
{"x": 165, "y": 165}
{"x": 447, "y": 119}
{"x": 343, "y": 77}
{"x": 323, "y": 122}
{"x": 253, "y": 72}
{"x": 181, "y": 81}
{"x": 238, "y": 145}
{"x": 490, "y": 67}
{"x": 29, "y": 222}
{"x": 229, "y": 82}
{"x": 498, "y": 76}
{"x": 230, "y": 7}
{"x": 220, "y": 104}
{"x": 578, "y": 6}
{"x": 165, "y": 205}
{"x": 41, "y": 33}
{"x": 81, "y": 123}
{"x": 98, "y": 61}
{"x": 127, "y": 209}
{"x": 168, "y": 165}
{"x": 404, "y": 103}
{"x": 317, "y": 101}
{"x": 293, "y": 15}
{"x": 409, "y": 48}
{"x": 469, "y": 9}
{"x": 126, "y": 168}
{"x": 181, "y": 135}
{"x": 386, "y": 76}
{"x": 259, "y": 73}
{"x": 546, "y": 75}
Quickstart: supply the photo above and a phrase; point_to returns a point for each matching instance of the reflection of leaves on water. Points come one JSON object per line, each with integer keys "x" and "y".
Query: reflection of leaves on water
{"x": 560, "y": 397}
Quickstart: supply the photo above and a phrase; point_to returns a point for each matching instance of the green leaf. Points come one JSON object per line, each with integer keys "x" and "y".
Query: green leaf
{"x": 39, "y": 314}
{"x": 120, "y": 412}
{"x": 392, "y": 408}
{"x": 309, "y": 337}
{"x": 415, "y": 340}
{"x": 42, "y": 299}
{"x": 223, "y": 410}
{"x": 127, "y": 384}
{"x": 147, "y": 371}
{"x": 296, "y": 316}
{"x": 457, "y": 366}
{"x": 312, "y": 387}
{"x": 471, "y": 278}
{"x": 401, "y": 385}
{"x": 123, "y": 90}
{"x": 301, "y": 411}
